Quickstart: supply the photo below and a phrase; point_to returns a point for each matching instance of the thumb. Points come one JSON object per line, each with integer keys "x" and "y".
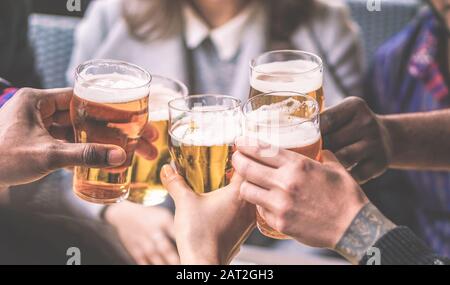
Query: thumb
{"x": 328, "y": 158}
{"x": 175, "y": 184}
{"x": 89, "y": 155}
{"x": 236, "y": 179}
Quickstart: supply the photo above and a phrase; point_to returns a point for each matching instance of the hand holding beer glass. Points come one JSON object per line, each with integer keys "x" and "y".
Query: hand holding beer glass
{"x": 202, "y": 131}
{"x": 285, "y": 120}
{"x": 109, "y": 106}
{"x": 146, "y": 186}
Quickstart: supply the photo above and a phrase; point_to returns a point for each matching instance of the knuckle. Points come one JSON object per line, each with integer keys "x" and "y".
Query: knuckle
{"x": 285, "y": 209}
{"x": 25, "y": 92}
{"x": 282, "y": 225}
{"x": 52, "y": 159}
{"x": 358, "y": 102}
{"x": 241, "y": 166}
{"x": 165, "y": 247}
{"x": 303, "y": 165}
{"x": 291, "y": 186}
{"x": 90, "y": 155}
{"x": 244, "y": 188}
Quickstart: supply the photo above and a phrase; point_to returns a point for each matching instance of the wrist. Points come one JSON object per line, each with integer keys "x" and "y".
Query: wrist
{"x": 395, "y": 136}
{"x": 366, "y": 228}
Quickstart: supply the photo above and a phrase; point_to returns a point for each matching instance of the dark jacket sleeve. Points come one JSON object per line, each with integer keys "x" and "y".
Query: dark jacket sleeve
{"x": 401, "y": 247}
{"x": 16, "y": 55}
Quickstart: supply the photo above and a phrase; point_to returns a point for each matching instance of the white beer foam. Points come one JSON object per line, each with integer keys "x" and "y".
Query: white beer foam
{"x": 296, "y": 75}
{"x": 288, "y": 137}
{"x": 111, "y": 88}
{"x": 208, "y": 128}
{"x": 158, "y": 103}
{"x": 274, "y": 124}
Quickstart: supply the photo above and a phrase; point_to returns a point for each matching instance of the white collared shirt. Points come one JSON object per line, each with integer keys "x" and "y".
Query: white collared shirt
{"x": 226, "y": 38}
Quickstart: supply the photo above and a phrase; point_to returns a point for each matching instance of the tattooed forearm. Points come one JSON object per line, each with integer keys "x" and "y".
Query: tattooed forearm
{"x": 367, "y": 227}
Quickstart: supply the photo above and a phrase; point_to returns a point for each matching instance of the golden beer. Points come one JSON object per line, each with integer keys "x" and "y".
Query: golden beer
{"x": 109, "y": 106}
{"x": 287, "y": 70}
{"x": 284, "y": 120}
{"x": 202, "y": 134}
{"x": 146, "y": 185}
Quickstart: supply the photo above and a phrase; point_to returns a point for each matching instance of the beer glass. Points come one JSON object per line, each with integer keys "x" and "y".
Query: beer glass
{"x": 109, "y": 106}
{"x": 146, "y": 186}
{"x": 286, "y": 120}
{"x": 202, "y": 131}
{"x": 288, "y": 70}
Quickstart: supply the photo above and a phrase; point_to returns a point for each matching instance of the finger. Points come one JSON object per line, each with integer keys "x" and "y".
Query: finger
{"x": 146, "y": 150}
{"x": 62, "y": 118}
{"x": 61, "y": 133}
{"x": 175, "y": 185}
{"x": 334, "y": 118}
{"x": 151, "y": 254}
{"x": 266, "y": 218}
{"x": 343, "y": 137}
{"x": 253, "y": 171}
{"x": 236, "y": 179}
{"x": 353, "y": 154}
{"x": 256, "y": 195}
{"x": 166, "y": 249}
{"x": 89, "y": 155}
{"x": 138, "y": 257}
{"x": 150, "y": 133}
{"x": 328, "y": 158}
{"x": 96, "y": 134}
{"x": 53, "y": 100}
{"x": 266, "y": 154}
{"x": 110, "y": 114}
{"x": 366, "y": 170}
{"x": 47, "y": 122}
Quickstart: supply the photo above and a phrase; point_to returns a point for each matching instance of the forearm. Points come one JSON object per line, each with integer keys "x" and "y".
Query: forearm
{"x": 401, "y": 247}
{"x": 368, "y": 226}
{"x": 370, "y": 233}
{"x": 420, "y": 140}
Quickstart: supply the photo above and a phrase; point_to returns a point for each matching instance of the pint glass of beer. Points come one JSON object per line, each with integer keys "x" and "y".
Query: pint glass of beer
{"x": 284, "y": 120}
{"x": 109, "y": 106}
{"x": 146, "y": 186}
{"x": 288, "y": 70}
{"x": 202, "y": 132}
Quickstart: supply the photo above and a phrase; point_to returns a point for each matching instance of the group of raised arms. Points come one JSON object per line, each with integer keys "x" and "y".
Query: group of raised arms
{"x": 317, "y": 203}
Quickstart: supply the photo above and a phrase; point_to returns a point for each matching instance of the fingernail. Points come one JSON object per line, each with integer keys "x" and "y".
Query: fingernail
{"x": 116, "y": 157}
{"x": 167, "y": 171}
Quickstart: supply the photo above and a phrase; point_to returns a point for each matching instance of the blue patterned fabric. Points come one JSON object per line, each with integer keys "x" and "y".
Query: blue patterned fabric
{"x": 378, "y": 26}
{"x": 410, "y": 74}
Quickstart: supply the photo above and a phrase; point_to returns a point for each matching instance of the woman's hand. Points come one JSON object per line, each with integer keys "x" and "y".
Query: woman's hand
{"x": 147, "y": 233}
{"x": 209, "y": 228}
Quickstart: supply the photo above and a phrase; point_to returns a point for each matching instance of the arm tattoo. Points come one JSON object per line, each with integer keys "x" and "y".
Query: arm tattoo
{"x": 366, "y": 229}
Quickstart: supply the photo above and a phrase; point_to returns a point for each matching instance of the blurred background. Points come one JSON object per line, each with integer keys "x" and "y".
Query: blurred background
{"x": 52, "y": 30}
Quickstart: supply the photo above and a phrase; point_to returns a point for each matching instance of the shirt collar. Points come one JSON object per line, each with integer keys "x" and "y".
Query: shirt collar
{"x": 226, "y": 38}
